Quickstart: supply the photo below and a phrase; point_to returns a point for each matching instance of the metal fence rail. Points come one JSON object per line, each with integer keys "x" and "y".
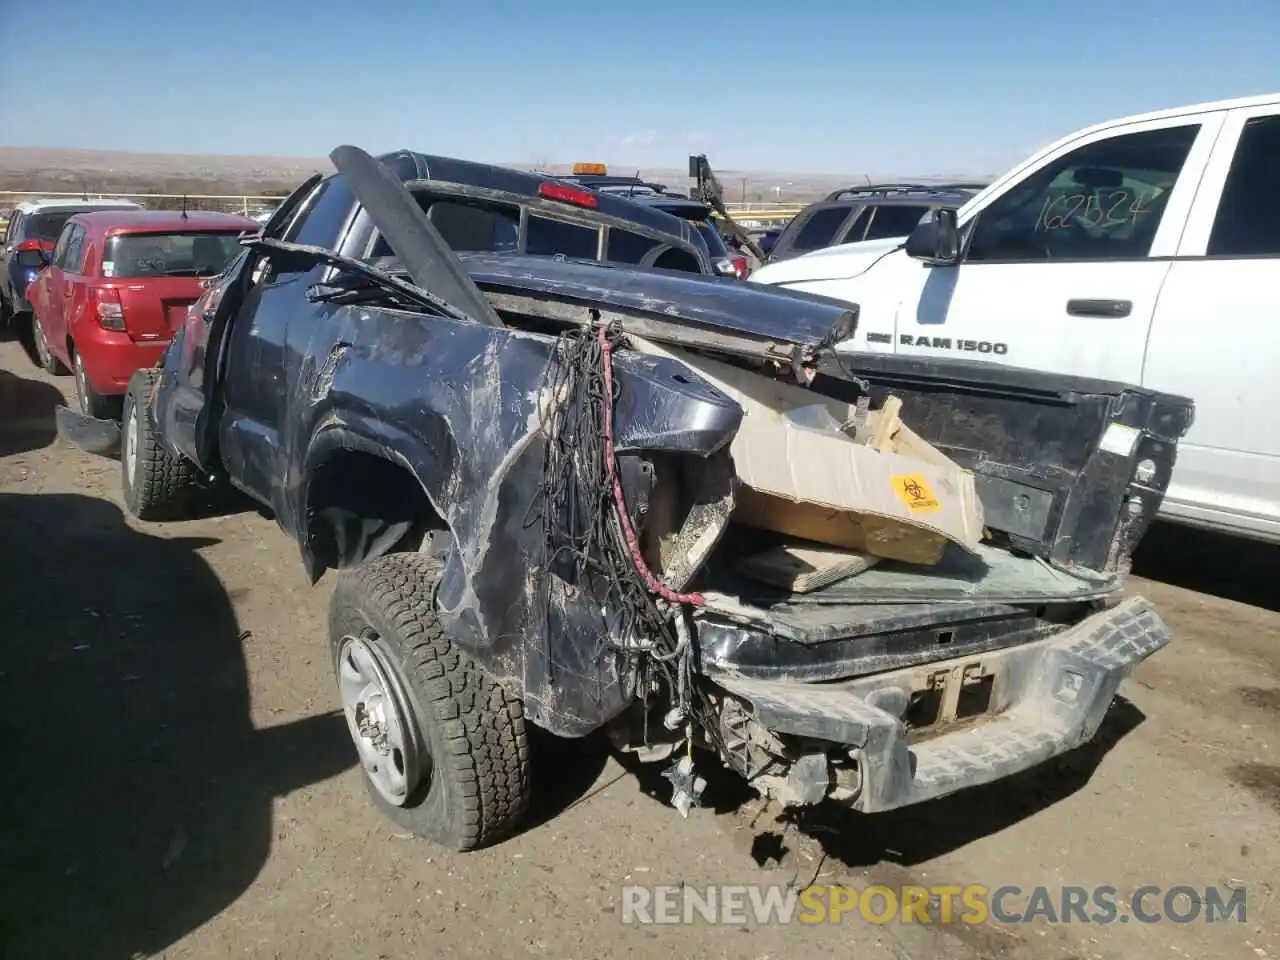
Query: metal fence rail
{"x": 246, "y": 204}
{"x": 750, "y": 215}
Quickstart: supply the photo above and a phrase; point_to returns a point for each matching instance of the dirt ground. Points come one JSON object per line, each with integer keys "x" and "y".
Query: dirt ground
{"x": 179, "y": 784}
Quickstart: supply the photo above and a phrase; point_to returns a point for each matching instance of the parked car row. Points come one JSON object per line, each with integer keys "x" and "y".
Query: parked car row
{"x": 103, "y": 284}
{"x": 116, "y": 286}
{"x": 32, "y": 231}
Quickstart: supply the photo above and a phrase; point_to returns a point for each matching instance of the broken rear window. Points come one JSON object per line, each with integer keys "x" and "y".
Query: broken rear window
{"x": 547, "y": 237}
{"x": 467, "y": 225}
{"x": 627, "y": 247}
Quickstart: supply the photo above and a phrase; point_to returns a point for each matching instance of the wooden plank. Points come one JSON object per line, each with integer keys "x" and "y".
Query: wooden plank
{"x": 803, "y": 567}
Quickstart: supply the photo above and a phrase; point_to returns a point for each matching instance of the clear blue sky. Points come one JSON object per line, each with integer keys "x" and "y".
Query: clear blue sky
{"x": 827, "y": 85}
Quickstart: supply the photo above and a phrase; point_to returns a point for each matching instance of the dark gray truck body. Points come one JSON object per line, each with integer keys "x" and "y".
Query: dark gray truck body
{"x": 367, "y": 414}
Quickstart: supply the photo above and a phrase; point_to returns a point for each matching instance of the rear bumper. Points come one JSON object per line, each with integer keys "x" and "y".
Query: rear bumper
{"x": 111, "y": 358}
{"x": 1046, "y": 698}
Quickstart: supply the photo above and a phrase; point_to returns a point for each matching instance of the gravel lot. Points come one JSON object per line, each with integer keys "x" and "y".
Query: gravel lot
{"x": 182, "y": 786}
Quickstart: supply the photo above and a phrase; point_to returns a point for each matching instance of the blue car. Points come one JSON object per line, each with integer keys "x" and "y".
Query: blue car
{"x": 28, "y": 245}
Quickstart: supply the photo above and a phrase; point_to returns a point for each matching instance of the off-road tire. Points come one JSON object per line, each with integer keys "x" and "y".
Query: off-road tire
{"x": 160, "y": 481}
{"x": 477, "y": 789}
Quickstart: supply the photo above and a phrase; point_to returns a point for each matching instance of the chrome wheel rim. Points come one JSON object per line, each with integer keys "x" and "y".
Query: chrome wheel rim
{"x": 42, "y": 346}
{"x": 82, "y": 386}
{"x": 379, "y": 720}
{"x": 131, "y": 443}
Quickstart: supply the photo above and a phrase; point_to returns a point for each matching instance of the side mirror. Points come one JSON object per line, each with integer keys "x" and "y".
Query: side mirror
{"x": 936, "y": 240}
{"x": 46, "y": 256}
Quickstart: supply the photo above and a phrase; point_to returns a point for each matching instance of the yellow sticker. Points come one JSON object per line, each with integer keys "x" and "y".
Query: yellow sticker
{"x": 913, "y": 490}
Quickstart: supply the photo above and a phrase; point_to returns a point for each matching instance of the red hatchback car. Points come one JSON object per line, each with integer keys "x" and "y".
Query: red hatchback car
{"x": 116, "y": 288}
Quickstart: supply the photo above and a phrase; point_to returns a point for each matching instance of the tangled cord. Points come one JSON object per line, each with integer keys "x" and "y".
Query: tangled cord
{"x": 584, "y": 518}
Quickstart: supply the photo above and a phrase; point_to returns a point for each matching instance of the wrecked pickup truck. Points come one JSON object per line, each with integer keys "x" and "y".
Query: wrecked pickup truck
{"x": 585, "y": 496}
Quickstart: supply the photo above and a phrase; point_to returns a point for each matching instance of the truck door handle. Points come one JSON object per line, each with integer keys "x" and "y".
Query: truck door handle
{"x": 1099, "y": 308}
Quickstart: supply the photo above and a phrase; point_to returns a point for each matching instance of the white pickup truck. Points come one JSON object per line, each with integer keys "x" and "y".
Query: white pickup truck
{"x": 1144, "y": 250}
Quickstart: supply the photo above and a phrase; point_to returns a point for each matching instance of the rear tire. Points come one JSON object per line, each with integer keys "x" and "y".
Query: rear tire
{"x": 154, "y": 480}
{"x": 92, "y": 403}
{"x": 48, "y": 362}
{"x": 443, "y": 748}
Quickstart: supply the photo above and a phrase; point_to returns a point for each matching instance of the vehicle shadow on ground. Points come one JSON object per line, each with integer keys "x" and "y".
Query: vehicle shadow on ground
{"x": 563, "y": 774}
{"x": 19, "y": 332}
{"x": 138, "y": 794}
{"x": 26, "y": 414}
{"x": 910, "y": 835}
{"x": 1232, "y": 568}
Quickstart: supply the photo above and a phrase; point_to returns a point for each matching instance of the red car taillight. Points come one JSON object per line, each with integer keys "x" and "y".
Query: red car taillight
{"x": 732, "y": 266}
{"x": 110, "y": 310}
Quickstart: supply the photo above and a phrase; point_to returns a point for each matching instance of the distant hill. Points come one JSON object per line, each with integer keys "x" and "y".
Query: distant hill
{"x": 116, "y": 171}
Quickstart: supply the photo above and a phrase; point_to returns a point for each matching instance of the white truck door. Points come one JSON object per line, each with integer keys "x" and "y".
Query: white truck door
{"x": 1061, "y": 269}
{"x": 1216, "y": 334}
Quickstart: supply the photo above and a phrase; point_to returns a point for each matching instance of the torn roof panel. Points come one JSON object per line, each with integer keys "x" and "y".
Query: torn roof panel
{"x": 717, "y": 303}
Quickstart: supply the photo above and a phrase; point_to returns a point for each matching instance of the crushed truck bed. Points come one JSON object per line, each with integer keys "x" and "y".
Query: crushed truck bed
{"x": 992, "y": 575}
{"x": 891, "y": 616}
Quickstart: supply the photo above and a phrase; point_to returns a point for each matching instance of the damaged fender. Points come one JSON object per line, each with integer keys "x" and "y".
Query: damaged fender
{"x": 458, "y": 409}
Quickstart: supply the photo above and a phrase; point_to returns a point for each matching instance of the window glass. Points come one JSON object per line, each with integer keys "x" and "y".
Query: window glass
{"x": 320, "y": 224}
{"x": 60, "y": 248}
{"x": 677, "y": 259}
{"x": 1102, "y": 201}
{"x": 858, "y": 229}
{"x": 715, "y": 242}
{"x": 467, "y": 226}
{"x": 45, "y": 226}
{"x": 547, "y": 236}
{"x": 895, "y": 220}
{"x": 169, "y": 254}
{"x": 1248, "y": 220}
{"x": 819, "y": 230}
{"x": 627, "y": 247}
{"x": 75, "y": 250}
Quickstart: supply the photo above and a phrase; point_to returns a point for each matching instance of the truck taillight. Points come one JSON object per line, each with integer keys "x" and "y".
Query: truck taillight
{"x": 32, "y": 253}
{"x": 567, "y": 194}
{"x": 740, "y": 267}
{"x": 110, "y": 310}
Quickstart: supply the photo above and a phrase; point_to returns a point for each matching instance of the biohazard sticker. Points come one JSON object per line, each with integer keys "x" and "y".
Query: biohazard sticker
{"x": 913, "y": 490}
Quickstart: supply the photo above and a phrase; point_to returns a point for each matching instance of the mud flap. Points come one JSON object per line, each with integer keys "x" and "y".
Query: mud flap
{"x": 101, "y": 437}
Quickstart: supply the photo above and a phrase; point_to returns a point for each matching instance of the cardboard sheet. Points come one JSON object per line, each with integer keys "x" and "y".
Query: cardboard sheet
{"x": 905, "y": 502}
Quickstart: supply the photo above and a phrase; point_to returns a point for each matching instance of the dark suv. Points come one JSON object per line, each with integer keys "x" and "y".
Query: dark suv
{"x": 872, "y": 212}
{"x": 727, "y": 262}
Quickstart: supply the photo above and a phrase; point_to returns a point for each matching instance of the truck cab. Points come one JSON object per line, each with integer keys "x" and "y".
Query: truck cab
{"x": 1144, "y": 250}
